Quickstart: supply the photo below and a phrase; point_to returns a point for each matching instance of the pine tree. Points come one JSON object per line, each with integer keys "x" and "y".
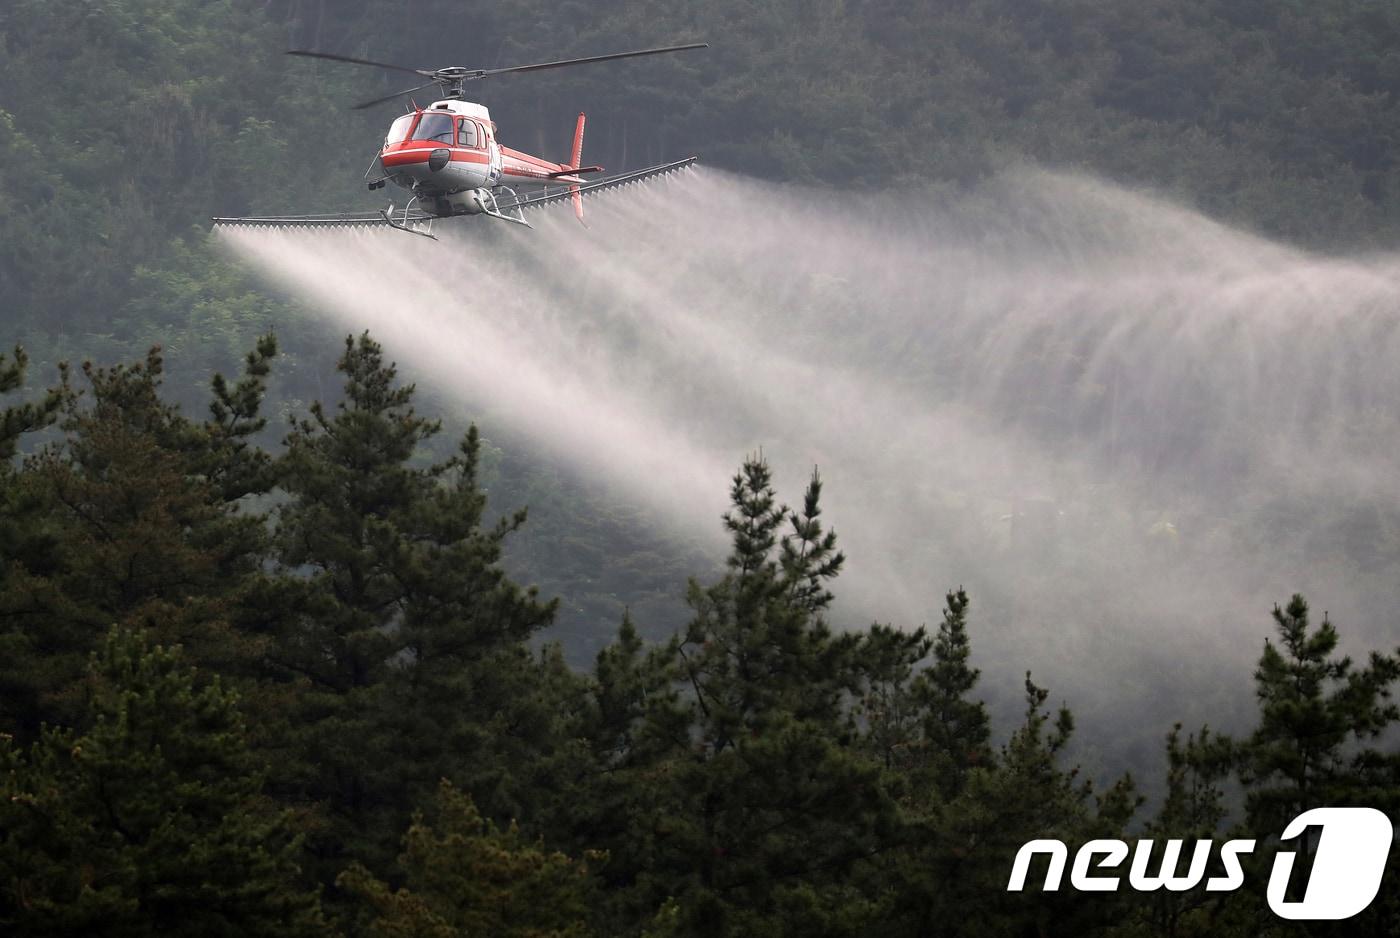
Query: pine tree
{"x": 140, "y": 524}
{"x": 759, "y": 645}
{"x": 17, "y": 420}
{"x": 1027, "y": 795}
{"x": 1315, "y": 744}
{"x": 931, "y": 737}
{"x": 403, "y": 638}
{"x": 890, "y": 712}
{"x": 956, "y": 729}
{"x": 149, "y": 823}
{"x": 609, "y": 782}
{"x": 237, "y": 466}
{"x": 922, "y": 721}
{"x": 752, "y": 809}
{"x": 23, "y": 534}
{"x": 464, "y": 877}
{"x": 1192, "y": 810}
{"x": 1316, "y": 714}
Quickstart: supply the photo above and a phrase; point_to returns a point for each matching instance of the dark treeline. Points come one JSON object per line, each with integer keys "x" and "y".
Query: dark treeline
{"x": 246, "y": 691}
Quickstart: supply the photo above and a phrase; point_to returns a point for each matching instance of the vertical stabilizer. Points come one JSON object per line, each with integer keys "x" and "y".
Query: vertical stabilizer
{"x": 576, "y": 160}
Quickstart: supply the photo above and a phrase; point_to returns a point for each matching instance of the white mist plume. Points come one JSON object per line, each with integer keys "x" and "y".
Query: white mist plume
{"x": 1128, "y": 430}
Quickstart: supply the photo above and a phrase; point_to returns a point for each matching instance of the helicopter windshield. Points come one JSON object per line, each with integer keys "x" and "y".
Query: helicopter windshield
{"x": 398, "y": 131}
{"x": 437, "y": 127}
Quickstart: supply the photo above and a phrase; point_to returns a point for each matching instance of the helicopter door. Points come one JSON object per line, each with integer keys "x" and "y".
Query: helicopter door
{"x": 494, "y": 152}
{"x": 467, "y": 135}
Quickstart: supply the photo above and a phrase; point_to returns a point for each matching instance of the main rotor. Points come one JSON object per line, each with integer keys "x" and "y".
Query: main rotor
{"x": 453, "y": 79}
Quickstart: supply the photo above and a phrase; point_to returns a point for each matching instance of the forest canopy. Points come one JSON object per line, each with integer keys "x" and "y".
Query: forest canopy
{"x": 291, "y": 691}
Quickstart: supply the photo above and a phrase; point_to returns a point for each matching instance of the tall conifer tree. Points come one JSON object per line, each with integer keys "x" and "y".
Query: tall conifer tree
{"x": 956, "y": 728}
{"x": 1317, "y": 712}
{"x": 404, "y": 637}
{"x": 762, "y": 802}
{"x": 142, "y": 525}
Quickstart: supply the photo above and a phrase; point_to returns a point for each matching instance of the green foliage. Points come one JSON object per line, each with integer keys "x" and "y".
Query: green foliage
{"x": 722, "y": 760}
{"x": 760, "y": 772}
{"x": 1027, "y": 794}
{"x": 466, "y": 877}
{"x": 956, "y": 729}
{"x": 1316, "y": 712}
{"x": 887, "y": 706}
{"x": 1193, "y": 809}
{"x": 758, "y": 645}
{"x": 1320, "y": 740}
{"x": 772, "y": 762}
{"x": 18, "y": 420}
{"x": 403, "y": 638}
{"x": 134, "y": 519}
{"x": 151, "y": 821}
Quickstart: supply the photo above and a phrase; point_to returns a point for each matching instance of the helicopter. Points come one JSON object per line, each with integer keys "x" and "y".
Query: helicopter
{"x": 448, "y": 156}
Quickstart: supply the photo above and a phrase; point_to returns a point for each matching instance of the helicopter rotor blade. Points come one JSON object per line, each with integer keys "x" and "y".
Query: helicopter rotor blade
{"x": 486, "y": 72}
{"x": 451, "y": 79}
{"x": 426, "y": 73}
{"x": 389, "y": 97}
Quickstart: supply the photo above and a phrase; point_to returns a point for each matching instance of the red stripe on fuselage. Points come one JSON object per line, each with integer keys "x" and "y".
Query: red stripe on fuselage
{"x": 410, "y": 157}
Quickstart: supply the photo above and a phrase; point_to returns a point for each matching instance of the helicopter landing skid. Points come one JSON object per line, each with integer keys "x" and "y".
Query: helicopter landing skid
{"x": 416, "y": 225}
{"x": 420, "y": 224}
{"x": 491, "y": 207}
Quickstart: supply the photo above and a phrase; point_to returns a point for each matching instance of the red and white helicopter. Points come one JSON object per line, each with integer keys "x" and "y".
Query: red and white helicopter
{"x": 448, "y": 156}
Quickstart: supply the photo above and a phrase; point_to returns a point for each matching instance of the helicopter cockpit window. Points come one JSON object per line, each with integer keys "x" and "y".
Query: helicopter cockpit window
{"x": 398, "y": 131}
{"x": 467, "y": 136}
{"x": 437, "y": 127}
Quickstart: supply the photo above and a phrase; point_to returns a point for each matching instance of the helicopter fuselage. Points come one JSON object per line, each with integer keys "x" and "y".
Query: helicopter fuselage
{"x": 448, "y": 156}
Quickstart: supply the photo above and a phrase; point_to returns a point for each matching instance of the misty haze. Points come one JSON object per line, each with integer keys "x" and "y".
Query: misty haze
{"x": 1127, "y": 429}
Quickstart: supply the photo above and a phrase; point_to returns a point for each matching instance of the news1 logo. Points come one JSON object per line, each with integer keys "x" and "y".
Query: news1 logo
{"x": 1348, "y": 863}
